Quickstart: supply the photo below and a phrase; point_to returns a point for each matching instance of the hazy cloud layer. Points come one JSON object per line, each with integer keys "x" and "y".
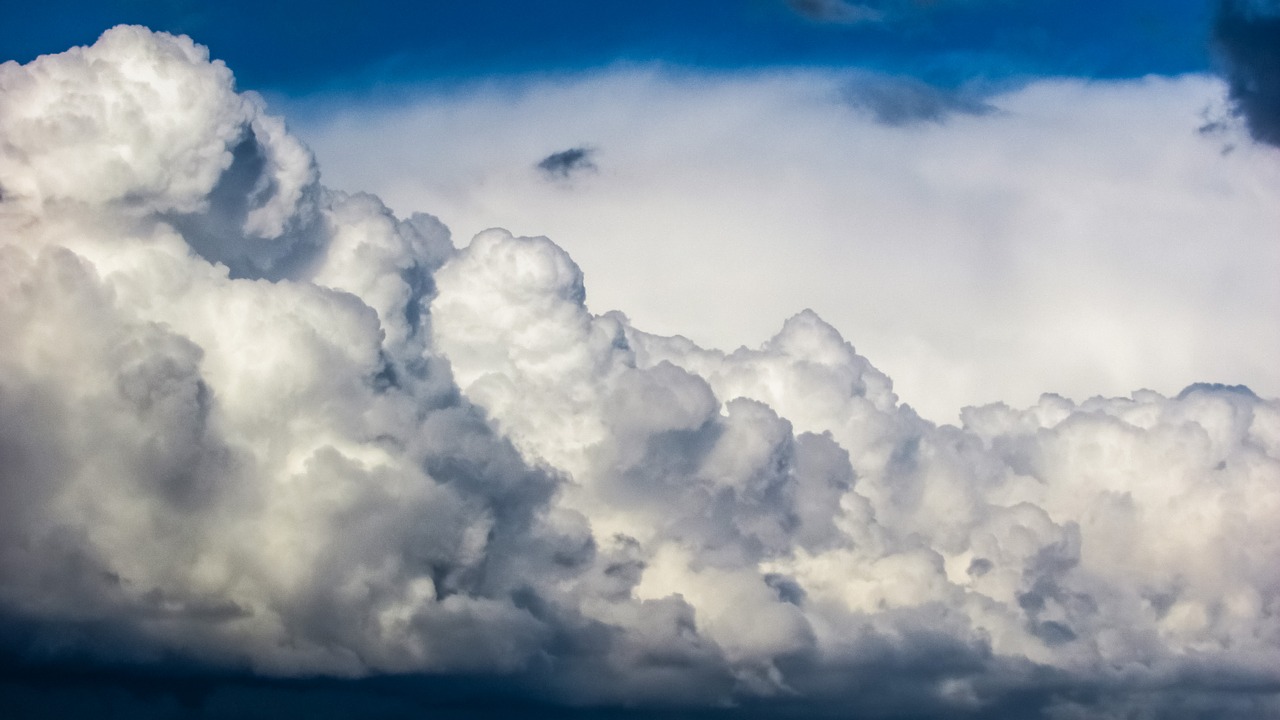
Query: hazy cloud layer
{"x": 251, "y": 427}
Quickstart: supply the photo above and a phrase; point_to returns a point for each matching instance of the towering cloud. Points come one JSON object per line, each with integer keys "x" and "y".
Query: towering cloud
{"x": 254, "y": 427}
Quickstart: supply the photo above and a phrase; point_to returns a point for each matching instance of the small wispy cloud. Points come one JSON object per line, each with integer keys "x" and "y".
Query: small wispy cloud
{"x": 836, "y": 11}
{"x": 566, "y": 163}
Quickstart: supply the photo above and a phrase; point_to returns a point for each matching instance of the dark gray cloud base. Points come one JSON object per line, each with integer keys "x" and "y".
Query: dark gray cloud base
{"x": 263, "y": 443}
{"x": 1246, "y": 34}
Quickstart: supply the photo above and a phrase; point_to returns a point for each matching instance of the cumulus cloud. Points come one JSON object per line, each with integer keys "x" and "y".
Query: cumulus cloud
{"x": 365, "y": 453}
{"x": 1247, "y": 36}
{"x": 976, "y": 256}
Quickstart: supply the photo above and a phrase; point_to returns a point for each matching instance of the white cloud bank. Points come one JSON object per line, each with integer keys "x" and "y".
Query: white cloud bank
{"x": 261, "y": 426}
{"x": 1078, "y": 237}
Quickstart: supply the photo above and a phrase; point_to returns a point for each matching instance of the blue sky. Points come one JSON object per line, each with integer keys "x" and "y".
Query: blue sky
{"x": 295, "y": 47}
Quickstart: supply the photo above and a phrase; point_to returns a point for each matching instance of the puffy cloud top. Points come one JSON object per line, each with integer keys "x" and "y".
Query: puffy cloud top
{"x": 146, "y": 122}
{"x": 263, "y": 427}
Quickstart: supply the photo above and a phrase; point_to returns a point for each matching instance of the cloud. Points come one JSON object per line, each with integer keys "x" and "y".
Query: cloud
{"x": 561, "y": 165}
{"x": 844, "y": 12}
{"x": 835, "y": 11}
{"x": 992, "y": 256}
{"x": 903, "y": 101}
{"x": 368, "y": 471}
{"x": 1247, "y": 36}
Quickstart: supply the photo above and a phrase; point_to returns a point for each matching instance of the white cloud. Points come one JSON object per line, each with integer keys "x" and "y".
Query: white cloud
{"x": 1083, "y": 238}
{"x": 363, "y": 451}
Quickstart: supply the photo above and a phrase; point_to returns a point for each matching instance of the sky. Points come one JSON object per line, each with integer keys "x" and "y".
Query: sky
{"x": 304, "y": 47}
{"x": 756, "y": 358}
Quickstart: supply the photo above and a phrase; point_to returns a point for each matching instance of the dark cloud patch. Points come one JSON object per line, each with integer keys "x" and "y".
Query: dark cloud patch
{"x": 900, "y": 101}
{"x": 566, "y": 163}
{"x": 980, "y": 566}
{"x": 787, "y": 588}
{"x": 179, "y": 692}
{"x": 176, "y": 692}
{"x": 1246, "y": 34}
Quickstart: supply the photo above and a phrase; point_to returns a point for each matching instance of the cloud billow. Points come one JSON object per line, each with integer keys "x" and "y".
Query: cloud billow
{"x": 254, "y": 430}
